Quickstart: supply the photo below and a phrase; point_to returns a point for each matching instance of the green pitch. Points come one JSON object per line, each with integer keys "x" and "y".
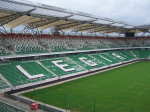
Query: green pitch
{"x": 116, "y": 90}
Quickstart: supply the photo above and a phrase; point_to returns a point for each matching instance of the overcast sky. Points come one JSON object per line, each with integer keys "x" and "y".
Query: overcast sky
{"x": 136, "y": 12}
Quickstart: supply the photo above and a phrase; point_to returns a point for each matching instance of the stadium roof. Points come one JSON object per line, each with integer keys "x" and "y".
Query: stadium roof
{"x": 14, "y": 13}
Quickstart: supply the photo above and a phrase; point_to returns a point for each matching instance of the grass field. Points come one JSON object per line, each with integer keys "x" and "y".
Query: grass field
{"x": 116, "y": 90}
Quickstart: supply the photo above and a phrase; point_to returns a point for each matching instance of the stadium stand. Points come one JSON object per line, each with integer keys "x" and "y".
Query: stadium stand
{"x": 3, "y": 48}
{"x": 14, "y": 44}
{"x": 135, "y": 53}
{"x": 23, "y": 43}
{"x": 103, "y": 59}
{"x": 3, "y": 84}
{"x": 144, "y": 54}
{"x": 34, "y": 58}
{"x": 15, "y": 77}
{"x": 97, "y": 43}
{"x": 54, "y": 43}
{"x": 2, "y": 51}
{"x": 62, "y": 66}
{"x": 21, "y": 73}
{"x": 80, "y": 43}
{"x": 118, "y": 56}
{"x": 139, "y": 54}
{"x": 127, "y": 53}
{"x": 43, "y": 43}
{"x": 146, "y": 41}
{"x": 87, "y": 61}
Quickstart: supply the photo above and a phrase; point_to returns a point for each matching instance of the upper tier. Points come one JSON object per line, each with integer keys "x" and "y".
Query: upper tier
{"x": 14, "y": 44}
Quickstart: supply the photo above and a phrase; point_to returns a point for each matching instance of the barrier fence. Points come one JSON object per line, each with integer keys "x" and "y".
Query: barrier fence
{"x": 69, "y": 103}
{"x": 27, "y": 102}
{"x": 6, "y": 106}
{"x": 79, "y": 103}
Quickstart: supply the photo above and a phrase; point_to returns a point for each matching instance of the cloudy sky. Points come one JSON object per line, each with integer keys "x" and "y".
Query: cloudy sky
{"x": 134, "y": 12}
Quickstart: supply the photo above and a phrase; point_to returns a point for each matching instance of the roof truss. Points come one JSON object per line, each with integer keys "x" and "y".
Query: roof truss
{"x": 43, "y": 16}
{"x": 6, "y": 19}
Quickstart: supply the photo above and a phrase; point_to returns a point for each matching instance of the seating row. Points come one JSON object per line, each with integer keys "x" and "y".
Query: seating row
{"x": 21, "y": 73}
{"x": 29, "y": 44}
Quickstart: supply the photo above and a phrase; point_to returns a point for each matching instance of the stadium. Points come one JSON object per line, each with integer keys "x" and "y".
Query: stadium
{"x": 59, "y": 60}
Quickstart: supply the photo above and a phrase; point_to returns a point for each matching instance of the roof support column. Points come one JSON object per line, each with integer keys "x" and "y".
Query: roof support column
{"x": 3, "y": 29}
{"x": 11, "y": 30}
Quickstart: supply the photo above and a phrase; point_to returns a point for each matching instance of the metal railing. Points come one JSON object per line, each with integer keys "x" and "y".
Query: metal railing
{"x": 28, "y": 101}
{"x": 6, "y": 106}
